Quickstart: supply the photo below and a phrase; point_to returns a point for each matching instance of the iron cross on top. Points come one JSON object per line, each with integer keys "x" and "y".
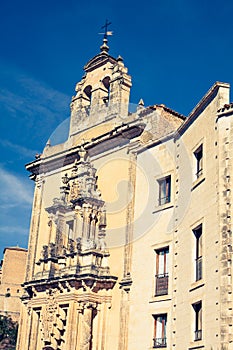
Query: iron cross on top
{"x": 105, "y": 27}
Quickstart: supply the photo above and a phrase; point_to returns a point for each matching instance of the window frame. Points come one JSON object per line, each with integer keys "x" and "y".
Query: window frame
{"x": 198, "y": 234}
{"x": 164, "y": 192}
{"x": 162, "y": 279}
{"x": 160, "y": 342}
{"x": 70, "y": 228}
{"x": 198, "y": 161}
{"x": 198, "y": 324}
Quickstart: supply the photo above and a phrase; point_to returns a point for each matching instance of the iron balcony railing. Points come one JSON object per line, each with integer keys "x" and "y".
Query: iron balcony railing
{"x": 199, "y": 268}
{"x": 199, "y": 173}
{"x": 161, "y": 284}
{"x": 198, "y": 335}
{"x": 164, "y": 200}
{"x": 160, "y": 342}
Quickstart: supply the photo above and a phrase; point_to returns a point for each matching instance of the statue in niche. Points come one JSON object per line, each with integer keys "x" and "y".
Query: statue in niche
{"x": 45, "y": 253}
{"x": 74, "y": 191}
{"x": 64, "y": 250}
{"x": 79, "y": 244}
{"x": 52, "y": 250}
{"x": 71, "y": 247}
{"x": 89, "y": 244}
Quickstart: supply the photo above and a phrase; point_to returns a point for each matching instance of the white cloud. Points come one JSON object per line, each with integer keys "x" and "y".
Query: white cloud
{"x": 31, "y": 105}
{"x": 15, "y": 190}
{"x": 21, "y": 150}
{"x": 22, "y": 231}
{"x": 32, "y": 98}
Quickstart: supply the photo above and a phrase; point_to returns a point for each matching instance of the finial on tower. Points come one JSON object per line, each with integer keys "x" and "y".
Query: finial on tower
{"x": 106, "y": 33}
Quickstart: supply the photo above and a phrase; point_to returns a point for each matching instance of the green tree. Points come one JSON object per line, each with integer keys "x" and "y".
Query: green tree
{"x": 8, "y": 333}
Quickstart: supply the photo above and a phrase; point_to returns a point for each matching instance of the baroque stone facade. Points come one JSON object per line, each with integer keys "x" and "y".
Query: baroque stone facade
{"x": 130, "y": 243}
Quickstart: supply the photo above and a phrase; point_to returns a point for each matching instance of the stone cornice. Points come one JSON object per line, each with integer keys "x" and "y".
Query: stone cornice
{"x": 124, "y": 132}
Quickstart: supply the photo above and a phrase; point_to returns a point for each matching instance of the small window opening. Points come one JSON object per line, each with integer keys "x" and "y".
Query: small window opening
{"x": 198, "y": 154}
{"x": 106, "y": 83}
{"x": 164, "y": 190}
{"x": 88, "y": 92}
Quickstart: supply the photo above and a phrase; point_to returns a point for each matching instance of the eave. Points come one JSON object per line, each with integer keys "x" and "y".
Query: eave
{"x": 119, "y": 136}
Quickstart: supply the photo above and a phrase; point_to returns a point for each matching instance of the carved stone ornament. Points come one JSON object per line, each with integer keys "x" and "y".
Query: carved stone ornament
{"x": 48, "y": 317}
{"x": 86, "y": 326}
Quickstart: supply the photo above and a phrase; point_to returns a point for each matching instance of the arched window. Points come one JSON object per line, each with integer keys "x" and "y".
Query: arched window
{"x": 106, "y": 83}
{"x": 87, "y": 91}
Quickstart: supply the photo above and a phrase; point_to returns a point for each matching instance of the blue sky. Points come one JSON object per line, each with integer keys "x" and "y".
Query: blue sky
{"x": 174, "y": 49}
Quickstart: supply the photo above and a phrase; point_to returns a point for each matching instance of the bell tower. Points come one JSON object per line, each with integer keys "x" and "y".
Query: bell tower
{"x": 103, "y": 92}
{"x": 70, "y": 290}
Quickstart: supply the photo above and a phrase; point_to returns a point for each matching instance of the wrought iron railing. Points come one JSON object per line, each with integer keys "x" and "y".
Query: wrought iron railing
{"x": 199, "y": 173}
{"x": 198, "y": 334}
{"x": 161, "y": 284}
{"x": 159, "y": 342}
{"x": 164, "y": 200}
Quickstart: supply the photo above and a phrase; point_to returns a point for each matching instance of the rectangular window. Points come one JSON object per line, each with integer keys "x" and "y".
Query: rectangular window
{"x": 197, "y": 307}
{"x": 70, "y": 228}
{"x": 160, "y": 325}
{"x": 161, "y": 277}
{"x": 164, "y": 190}
{"x": 198, "y": 154}
{"x": 198, "y": 252}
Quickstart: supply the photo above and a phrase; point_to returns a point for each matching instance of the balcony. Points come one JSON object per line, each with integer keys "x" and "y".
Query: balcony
{"x": 161, "y": 284}
{"x": 198, "y": 334}
{"x": 159, "y": 343}
{"x": 164, "y": 200}
{"x": 199, "y": 268}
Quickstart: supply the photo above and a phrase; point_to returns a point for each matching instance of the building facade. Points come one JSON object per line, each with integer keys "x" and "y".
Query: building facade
{"x": 130, "y": 243}
{"x": 13, "y": 268}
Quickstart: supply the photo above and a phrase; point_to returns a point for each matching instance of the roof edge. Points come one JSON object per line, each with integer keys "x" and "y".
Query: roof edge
{"x": 207, "y": 97}
{"x": 15, "y": 248}
{"x": 200, "y": 107}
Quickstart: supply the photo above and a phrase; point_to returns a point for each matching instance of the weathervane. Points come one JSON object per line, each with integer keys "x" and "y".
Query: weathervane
{"x": 106, "y": 32}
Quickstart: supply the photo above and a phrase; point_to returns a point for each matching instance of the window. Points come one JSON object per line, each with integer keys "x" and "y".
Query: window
{"x": 164, "y": 190}
{"x": 88, "y": 91}
{"x": 87, "y": 98}
{"x": 198, "y": 154}
{"x": 161, "y": 277}
{"x": 8, "y": 294}
{"x": 198, "y": 252}
{"x": 70, "y": 228}
{"x": 160, "y": 325}
{"x": 197, "y": 307}
{"x": 106, "y": 83}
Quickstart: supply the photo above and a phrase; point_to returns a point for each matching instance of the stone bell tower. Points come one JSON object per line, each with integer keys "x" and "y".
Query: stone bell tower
{"x": 102, "y": 94}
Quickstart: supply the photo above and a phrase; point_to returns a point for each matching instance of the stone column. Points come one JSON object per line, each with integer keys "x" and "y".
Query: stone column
{"x": 25, "y": 330}
{"x": 86, "y": 328}
{"x": 86, "y": 222}
{"x": 34, "y": 228}
{"x": 105, "y": 316}
{"x": 93, "y": 225}
{"x": 22, "y": 340}
{"x": 97, "y": 327}
{"x": 72, "y": 327}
